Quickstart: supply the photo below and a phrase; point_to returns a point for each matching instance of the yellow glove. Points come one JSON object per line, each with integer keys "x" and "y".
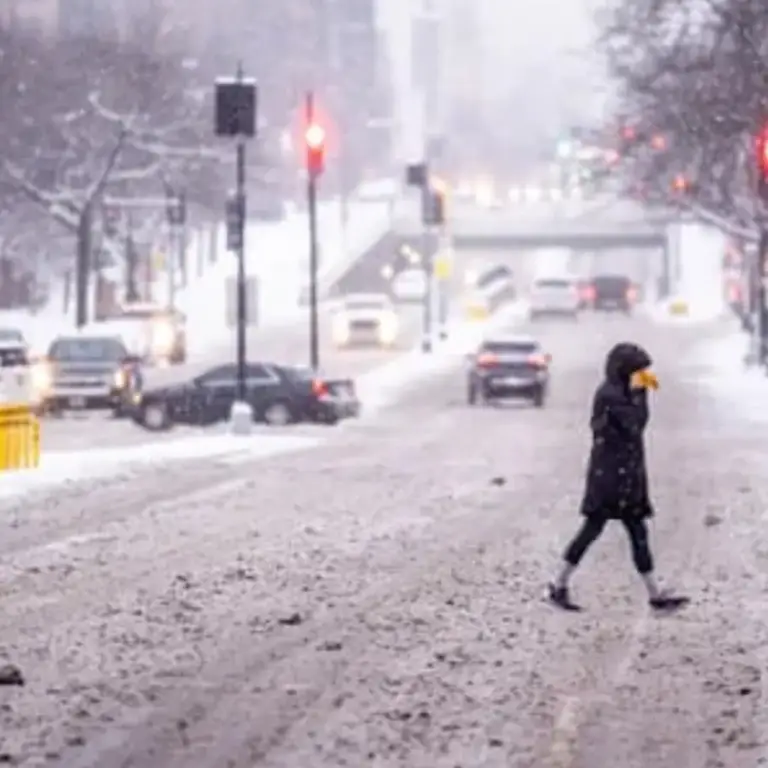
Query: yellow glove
{"x": 645, "y": 379}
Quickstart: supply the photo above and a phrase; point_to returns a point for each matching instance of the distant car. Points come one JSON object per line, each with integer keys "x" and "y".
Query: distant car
{"x": 514, "y": 367}
{"x": 152, "y": 332}
{"x": 279, "y": 395}
{"x": 554, "y": 296}
{"x": 613, "y": 292}
{"x": 12, "y": 336}
{"x": 410, "y": 286}
{"x": 82, "y": 372}
{"x": 366, "y": 319}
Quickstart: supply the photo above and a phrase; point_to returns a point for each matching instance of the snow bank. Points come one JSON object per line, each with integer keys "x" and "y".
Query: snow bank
{"x": 697, "y": 269}
{"x": 720, "y": 366}
{"x": 62, "y": 468}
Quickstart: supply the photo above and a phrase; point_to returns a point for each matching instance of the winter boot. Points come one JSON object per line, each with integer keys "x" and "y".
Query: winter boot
{"x": 560, "y": 597}
{"x": 668, "y": 603}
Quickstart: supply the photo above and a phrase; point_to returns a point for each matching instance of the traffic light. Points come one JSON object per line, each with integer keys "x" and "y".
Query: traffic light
{"x": 658, "y": 142}
{"x": 314, "y": 139}
{"x": 433, "y": 206}
{"x": 762, "y": 163}
{"x": 682, "y": 185}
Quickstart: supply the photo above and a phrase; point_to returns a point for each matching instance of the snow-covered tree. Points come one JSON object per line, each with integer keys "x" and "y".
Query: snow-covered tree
{"x": 691, "y": 80}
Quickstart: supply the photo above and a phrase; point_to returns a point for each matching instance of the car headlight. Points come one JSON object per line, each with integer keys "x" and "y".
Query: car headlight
{"x": 340, "y": 330}
{"x": 388, "y": 327}
{"x": 41, "y": 378}
{"x": 163, "y": 338}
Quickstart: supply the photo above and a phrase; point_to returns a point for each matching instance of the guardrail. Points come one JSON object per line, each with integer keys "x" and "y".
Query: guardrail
{"x": 19, "y": 438}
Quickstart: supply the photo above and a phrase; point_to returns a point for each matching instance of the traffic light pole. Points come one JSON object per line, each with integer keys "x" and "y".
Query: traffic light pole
{"x": 312, "y": 173}
{"x": 426, "y": 343}
{"x": 762, "y": 298}
{"x": 242, "y": 308}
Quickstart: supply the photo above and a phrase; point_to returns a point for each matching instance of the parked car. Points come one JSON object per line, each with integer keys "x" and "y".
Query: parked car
{"x": 278, "y": 394}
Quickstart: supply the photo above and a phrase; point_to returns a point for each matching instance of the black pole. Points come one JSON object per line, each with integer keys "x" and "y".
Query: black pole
{"x": 314, "y": 334}
{"x": 426, "y": 344}
{"x": 83, "y": 266}
{"x": 762, "y": 298}
{"x": 242, "y": 309}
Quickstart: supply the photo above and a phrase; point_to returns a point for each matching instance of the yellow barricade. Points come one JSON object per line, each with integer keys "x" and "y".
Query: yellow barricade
{"x": 19, "y": 438}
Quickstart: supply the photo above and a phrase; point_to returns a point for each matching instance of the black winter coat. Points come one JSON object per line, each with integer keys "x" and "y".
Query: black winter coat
{"x": 617, "y": 482}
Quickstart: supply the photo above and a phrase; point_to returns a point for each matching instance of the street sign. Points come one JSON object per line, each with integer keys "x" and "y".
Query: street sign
{"x": 443, "y": 267}
{"x": 251, "y": 302}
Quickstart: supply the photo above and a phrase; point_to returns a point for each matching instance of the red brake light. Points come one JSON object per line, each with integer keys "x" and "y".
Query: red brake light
{"x": 486, "y": 360}
{"x": 539, "y": 361}
{"x": 319, "y": 388}
{"x": 631, "y": 294}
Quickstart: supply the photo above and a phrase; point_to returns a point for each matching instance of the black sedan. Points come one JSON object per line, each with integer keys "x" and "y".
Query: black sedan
{"x": 278, "y": 395}
{"x": 511, "y": 368}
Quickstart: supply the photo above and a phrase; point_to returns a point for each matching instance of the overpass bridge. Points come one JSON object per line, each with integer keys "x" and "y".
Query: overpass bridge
{"x": 580, "y": 229}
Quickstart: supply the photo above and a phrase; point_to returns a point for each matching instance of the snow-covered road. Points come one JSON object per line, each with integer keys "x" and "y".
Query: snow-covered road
{"x": 376, "y": 599}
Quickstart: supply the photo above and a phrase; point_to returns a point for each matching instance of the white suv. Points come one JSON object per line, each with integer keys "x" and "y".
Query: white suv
{"x": 555, "y": 296}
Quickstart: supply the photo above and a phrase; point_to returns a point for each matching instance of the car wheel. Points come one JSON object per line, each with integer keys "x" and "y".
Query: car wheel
{"x": 278, "y": 414}
{"x": 538, "y": 398}
{"x": 472, "y": 394}
{"x": 154, "y": 416}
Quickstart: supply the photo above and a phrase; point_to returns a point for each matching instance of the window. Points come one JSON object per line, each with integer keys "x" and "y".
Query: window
{"x": 221, "y": 376}
{"x": 510, "y": 347}
{"x": 10, "y": 336}
{"x": 10, "y": 357}
{"x": 260, "y": 374}
{"x": 95, "y": 350}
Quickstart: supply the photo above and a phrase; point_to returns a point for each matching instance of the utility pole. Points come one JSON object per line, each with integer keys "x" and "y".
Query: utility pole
{"x": 314, "y": 140}
{"x": 176, "y": 215}
{"x": 235, "y": 118}
{"x": 432, "y": 218}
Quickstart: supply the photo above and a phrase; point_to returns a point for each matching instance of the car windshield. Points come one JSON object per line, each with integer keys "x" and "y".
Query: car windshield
{"x": 10, "y": 335}
{"x": 369, "y": 303}
{"x": 87, "y": 350}
{"x": 510, "y": 347}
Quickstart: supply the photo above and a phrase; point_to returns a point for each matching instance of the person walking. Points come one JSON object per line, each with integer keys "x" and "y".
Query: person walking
{"x": 617, "y": 482}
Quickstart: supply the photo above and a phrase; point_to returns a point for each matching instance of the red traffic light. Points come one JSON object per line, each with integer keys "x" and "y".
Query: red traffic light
{"x": 762, "y": 152}
{"x": 314, "y": 138}
{"x": 680, "y": 183}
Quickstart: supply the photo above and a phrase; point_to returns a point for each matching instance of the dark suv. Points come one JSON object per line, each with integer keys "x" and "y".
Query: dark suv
{"x": 613, "y": 292}
{"x": 513, "y": 368}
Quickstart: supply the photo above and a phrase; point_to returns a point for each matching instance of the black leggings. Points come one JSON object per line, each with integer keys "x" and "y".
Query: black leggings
{"x": 593, "y": 527}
